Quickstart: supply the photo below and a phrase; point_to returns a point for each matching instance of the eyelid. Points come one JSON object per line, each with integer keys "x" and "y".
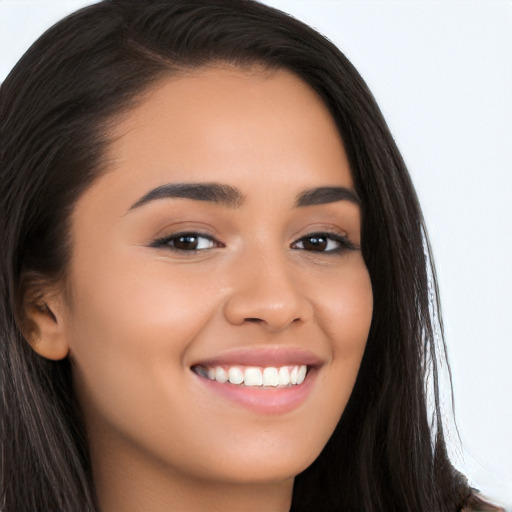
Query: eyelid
{"x": 163, "y": 241}
{"x": 345, "y": 243}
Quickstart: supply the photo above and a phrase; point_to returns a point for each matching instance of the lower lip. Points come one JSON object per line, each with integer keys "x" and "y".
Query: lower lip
{"x": 263, "y": 400}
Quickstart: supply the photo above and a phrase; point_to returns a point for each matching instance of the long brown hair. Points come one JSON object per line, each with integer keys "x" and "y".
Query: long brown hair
{"x": 387, "y": 452}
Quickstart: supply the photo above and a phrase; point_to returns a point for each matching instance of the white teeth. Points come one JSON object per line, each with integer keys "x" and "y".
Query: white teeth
{"x": 220, "y": 374}
{"x": 236, "y": 375}
{"x": 284, "y": 376}
{"x": 252, "y": 376}
{"x": 301, "y": 374}
{"x": 270, "y": 377}
{"x": 294, "y": 374}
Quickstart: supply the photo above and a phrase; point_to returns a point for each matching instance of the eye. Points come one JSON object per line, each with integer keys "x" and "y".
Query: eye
{"x": 323, "y": 242}
{"x": 186, "y": 242}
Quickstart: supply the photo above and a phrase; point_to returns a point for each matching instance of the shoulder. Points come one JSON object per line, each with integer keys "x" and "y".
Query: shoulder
{"x": 475, "y": 503}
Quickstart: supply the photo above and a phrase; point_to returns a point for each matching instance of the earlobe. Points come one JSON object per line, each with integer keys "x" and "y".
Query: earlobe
{"x": 43, "y": 328}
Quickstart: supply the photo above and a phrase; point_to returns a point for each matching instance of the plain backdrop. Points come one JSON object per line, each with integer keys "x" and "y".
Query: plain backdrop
{"x": 441, "y": 71}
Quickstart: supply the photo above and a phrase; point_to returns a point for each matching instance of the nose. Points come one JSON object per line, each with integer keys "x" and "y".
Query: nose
{"x": 266, "y": 291}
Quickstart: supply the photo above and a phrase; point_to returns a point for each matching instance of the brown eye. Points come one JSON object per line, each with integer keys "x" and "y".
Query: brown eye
{"x": 314, "y": 243}
{"x": 323, "y": 242}
{"x": 186, "y": 242}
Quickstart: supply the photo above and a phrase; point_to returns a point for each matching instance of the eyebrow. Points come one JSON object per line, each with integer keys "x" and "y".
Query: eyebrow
{"x": 324, "y": 195}
{"x": 227, "y": 195}
{"x": 211, "y": 192}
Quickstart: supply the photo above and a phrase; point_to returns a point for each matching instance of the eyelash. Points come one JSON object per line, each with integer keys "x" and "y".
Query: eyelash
{"x": 166, "y": 241}
{"x": 319, "y": 238}
{"x": 343, "y": 243}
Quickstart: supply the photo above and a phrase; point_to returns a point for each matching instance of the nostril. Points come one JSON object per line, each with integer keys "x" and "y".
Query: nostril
{"x": 253, "y": 320}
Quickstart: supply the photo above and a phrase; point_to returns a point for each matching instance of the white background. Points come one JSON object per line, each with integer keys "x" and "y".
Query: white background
{"x": 441, "y": 71}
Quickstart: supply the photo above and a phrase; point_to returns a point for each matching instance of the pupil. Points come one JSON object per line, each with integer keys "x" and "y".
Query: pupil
{"x": 315, "y": 243}
{"x": 186, "y": 242}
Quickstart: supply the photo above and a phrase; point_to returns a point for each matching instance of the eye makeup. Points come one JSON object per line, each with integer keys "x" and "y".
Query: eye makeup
{"x": 187, "y": 241}
{"x": 324, "y": 242}
{"x": 193, "y": 241}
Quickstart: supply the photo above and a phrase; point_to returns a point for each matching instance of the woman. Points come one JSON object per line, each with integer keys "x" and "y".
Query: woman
{"x": 215, "y": 274}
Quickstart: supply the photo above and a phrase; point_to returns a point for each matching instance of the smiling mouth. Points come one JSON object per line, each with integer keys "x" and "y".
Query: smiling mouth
{"x": 270, "y": 381}
{"x": 269, "y": 377}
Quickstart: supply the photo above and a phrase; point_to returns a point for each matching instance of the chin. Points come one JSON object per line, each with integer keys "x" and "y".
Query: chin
{"x": 258, "y": 463}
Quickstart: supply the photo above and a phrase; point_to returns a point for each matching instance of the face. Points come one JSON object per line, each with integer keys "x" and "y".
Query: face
{"x": 223, "y": 242}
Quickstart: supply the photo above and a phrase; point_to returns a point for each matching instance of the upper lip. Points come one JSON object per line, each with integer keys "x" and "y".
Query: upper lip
{"x": 263, "y": 357}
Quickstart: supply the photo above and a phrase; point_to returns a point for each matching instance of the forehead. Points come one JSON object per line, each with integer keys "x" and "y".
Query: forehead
{"x": 226, "y": 120}
{"x": 266, "y": 133}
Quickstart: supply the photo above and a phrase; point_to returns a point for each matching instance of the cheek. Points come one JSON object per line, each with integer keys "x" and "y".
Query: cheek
{"x": 344, "y": 310}
{"x": 344, "y": 313}
{"x": 130, "y": 326}
{"x": 133, "y": 301}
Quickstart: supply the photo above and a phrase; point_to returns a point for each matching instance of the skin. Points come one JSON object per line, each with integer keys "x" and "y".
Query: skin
{"x": 136, "y": 317}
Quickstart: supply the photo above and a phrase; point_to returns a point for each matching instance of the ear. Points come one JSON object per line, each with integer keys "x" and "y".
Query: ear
{"x": 43, "y": 323}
